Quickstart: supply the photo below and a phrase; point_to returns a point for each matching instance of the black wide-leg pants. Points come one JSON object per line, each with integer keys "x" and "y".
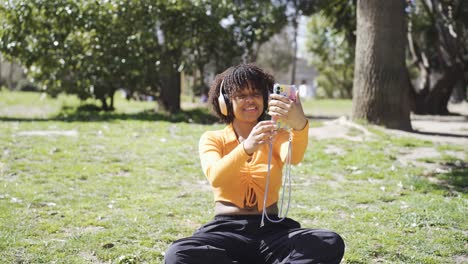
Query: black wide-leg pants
{"x": 240, "y": 239}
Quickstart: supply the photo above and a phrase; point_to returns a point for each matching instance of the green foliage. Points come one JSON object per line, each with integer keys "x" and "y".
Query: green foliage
{"x": 87, "y": 48}
{"x": 276, "y": 55}
{"x": 92, "y": 48}
{"x": 331, "y": 44}
{"x": 255, "y": 22}
{"x": 432, "y": 28}
{"x": 333, "y": 57}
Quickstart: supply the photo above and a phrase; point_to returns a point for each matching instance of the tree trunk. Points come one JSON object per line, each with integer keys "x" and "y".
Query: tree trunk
{"x": 293, "y": 70}
{"x": 459, "y": 92}
{"x": 111, "y": 97}
{"x": 442, "y": 72}
{"x": 201, "y": 84}
{"x": 169, "y": 97}
{"x": 381, "y": 82}
{"x": 434, "y": 98}
{"x": 10, "y": 75}
{"x": 104, "y": 105}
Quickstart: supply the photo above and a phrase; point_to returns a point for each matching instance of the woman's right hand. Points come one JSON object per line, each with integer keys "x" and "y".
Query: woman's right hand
{"x": 262, "y": 133}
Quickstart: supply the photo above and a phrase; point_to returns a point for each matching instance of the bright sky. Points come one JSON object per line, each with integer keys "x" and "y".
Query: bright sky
{"x": 301, "y": 37}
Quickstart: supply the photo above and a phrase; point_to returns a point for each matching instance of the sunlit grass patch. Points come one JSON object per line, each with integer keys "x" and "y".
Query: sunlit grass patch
{"x": 120, "y": 187}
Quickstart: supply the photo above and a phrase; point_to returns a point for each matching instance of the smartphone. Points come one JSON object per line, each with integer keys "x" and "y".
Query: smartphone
{"x": 286, "y": 91}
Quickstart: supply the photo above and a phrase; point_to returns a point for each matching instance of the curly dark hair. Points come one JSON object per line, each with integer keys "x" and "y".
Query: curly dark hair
{"x": 236, "y": 79}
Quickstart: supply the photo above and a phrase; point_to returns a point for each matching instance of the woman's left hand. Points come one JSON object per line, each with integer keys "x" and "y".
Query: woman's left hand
{"x": 288, "y": 110}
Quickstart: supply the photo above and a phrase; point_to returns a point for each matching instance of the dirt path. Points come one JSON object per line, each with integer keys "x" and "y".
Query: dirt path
{"x": 442, "y": 129}
{"x": 438, "y": 129}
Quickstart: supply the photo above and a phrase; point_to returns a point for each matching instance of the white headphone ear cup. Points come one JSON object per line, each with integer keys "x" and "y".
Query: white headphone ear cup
{"x": 221, "y": 100}
{"x": 222, "y": 105}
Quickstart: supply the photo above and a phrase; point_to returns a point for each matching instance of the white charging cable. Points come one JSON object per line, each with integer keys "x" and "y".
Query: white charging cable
{"x": 286, "y": 179}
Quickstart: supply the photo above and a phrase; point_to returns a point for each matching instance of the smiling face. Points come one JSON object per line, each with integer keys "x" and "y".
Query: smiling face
{"x": 247, "y": 105}
{"x": 241, "y": 87}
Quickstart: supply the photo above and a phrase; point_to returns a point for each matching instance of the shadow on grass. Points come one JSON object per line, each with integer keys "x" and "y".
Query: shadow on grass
{"x": 439, "y": 134}
{"x": 454, "y": 181}
{"x": 90, "y": 113}
{"x": 324, "y": 117}
{"x": 457, "y": 177}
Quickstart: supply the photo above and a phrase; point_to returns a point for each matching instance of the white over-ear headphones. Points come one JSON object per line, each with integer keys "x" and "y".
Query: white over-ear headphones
{"x": 221, "y": 100}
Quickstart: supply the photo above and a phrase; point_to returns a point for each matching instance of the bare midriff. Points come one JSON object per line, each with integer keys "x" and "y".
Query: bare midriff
{"x": 226, "y": 208}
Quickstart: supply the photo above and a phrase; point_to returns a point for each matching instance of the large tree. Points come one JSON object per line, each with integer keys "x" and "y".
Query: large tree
{"x": 381, "y": 83}
{"x": 438, "y": 45}
{"x": 437, "y": 54}
{"x": 87, "y": 48}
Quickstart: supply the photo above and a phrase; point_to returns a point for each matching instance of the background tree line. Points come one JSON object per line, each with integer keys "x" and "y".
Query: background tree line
{"x": 92, "y": 48}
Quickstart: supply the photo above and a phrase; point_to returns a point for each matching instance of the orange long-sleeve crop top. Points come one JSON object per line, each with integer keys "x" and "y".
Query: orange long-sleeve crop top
{"x": 237, "y": 180}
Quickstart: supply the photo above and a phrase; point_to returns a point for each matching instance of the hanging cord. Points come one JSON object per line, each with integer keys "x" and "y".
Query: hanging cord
{"x": 287, "y": 179}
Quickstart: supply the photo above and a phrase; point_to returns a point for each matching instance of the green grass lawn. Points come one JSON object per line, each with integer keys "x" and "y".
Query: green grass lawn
{"x": 93, "y": 187}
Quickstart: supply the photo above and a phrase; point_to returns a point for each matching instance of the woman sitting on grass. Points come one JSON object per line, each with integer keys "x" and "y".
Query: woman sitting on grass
{"x": 236, "y": 160}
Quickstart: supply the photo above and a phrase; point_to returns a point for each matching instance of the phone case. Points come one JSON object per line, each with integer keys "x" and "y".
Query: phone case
{"x": 286, "y": 91}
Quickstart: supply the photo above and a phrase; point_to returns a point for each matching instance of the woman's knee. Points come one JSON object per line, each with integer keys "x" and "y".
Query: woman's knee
{"x": 337, "y": 243}
{"x": 187, "y": 251}
{"x": 180, "y": 251}
{"x": 333, "y": 247}
{"x": 170, "y": 256}
{"x": 324, "y": 245}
